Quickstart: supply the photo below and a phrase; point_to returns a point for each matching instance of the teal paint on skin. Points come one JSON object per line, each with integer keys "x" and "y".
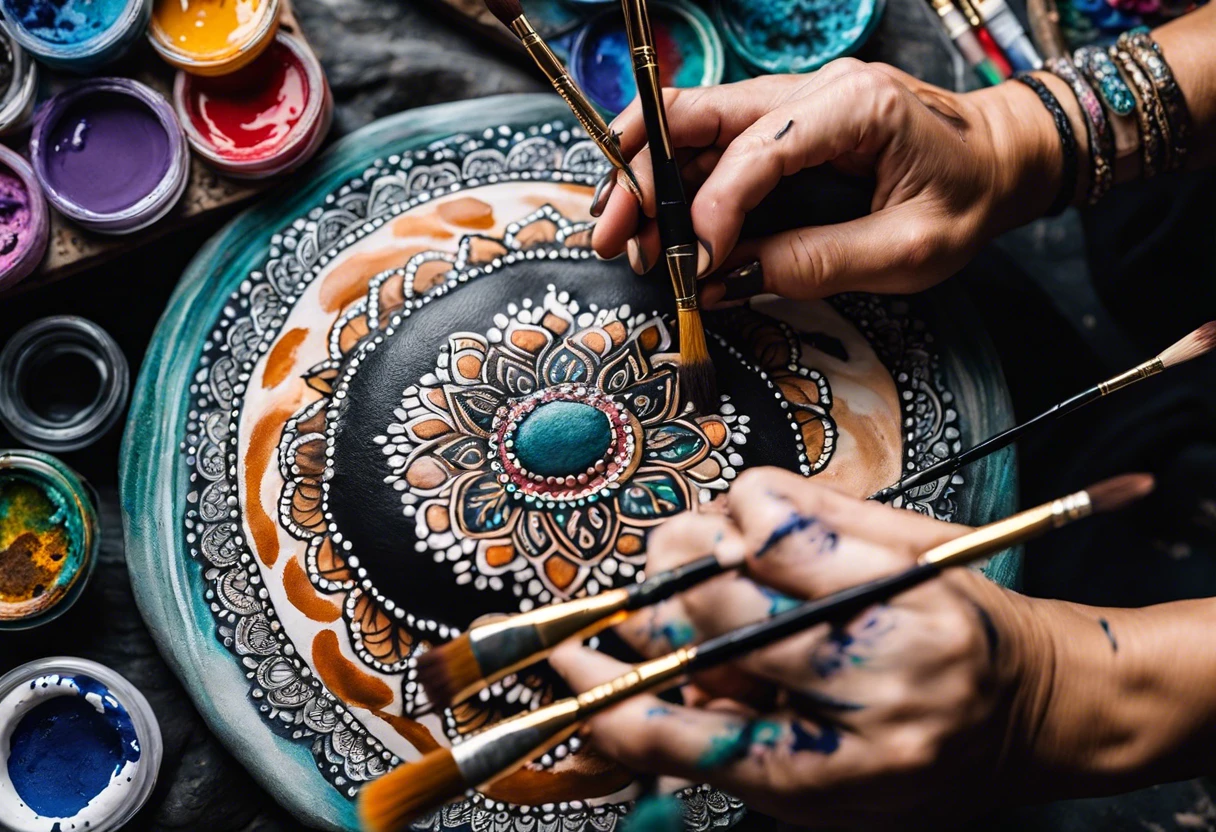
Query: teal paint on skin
{"x": 562, "y": 438}
{"x": 677, "y": 632}
{"x": 737, "y": 741}
{"x": 778, "y": 603}
{"x": 1114, "y": 645}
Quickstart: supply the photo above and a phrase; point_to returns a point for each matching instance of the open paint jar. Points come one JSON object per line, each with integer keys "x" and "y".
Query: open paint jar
{"x": 24, "y": 220}
{"x": 18, "y": 84}
{"x": 81, "y": 747}
{"x": 110, "y": 154}
{"x": 689, "y": 49}
{"x": 79, "y": 35}
{"x": 48, "y": 538}
{"x": 777, "y": 36}
{"x": 212, "y": 37}
{"x": 264, "y": 119}
{"x": 63, "y": 383}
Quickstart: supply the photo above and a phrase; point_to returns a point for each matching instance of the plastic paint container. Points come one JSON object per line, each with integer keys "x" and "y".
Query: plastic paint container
{"x": 18, "y": 85}
{"x": 79, "y": 35}
{"x": 48, "y": 539}
{"x": 212, "y": 37}
{"x": 80, "y": 745}
{"x": 689, "y": 49}
{"x": 110, "y": 154}
{"x": 25, "y": 226}
{"x": 63, "y": 383}
{"x": 264, "y": 119}
{"x": 796, "y": 35}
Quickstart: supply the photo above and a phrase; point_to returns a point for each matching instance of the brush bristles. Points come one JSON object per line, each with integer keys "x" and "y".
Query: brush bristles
{"x": 410, "y": 790}
{"x": 505, "y": 10}
{"x": 1117, "y": 492}
{"x": 697, "y": 377}
{"x": 1192, "y": 346}
{"x": 447, "y": 670}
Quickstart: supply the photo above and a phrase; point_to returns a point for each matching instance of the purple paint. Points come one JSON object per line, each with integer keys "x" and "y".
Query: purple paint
{"x": 106, "y": 152}
{"x": 24, "y": 222}
{"x": 16, "y": 218}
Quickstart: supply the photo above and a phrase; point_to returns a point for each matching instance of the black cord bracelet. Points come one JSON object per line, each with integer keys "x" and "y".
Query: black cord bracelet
{"x": 1068, "y": 143}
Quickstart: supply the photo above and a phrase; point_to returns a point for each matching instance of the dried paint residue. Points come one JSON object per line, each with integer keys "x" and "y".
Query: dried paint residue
{"x": 40, "y": 545}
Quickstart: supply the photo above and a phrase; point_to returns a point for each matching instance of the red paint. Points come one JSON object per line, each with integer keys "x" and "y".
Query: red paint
{"x": 994, "y": 53}
{"x": 252, "y": 113}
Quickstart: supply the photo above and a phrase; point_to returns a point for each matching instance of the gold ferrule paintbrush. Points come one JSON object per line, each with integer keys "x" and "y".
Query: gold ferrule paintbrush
{"x": 511, "y": 14}
{"x": 391, "y": 802}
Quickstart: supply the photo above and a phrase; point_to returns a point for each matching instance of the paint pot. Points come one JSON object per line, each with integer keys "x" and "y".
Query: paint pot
{"x": 264, "y": 119}
{"x": 78, "y": 35}
{"x": 689, "y": 50}
{"x": 110, "y": 154}
{"x": 63, "y": 383}
{"x": 48, "y": 538}
{"x": 212, "y": 37}
{"x": 25, "y": 226}
{"x": 18, "y": 85}
{"x": 796, "y": 35}
{"x": 81, "y": 747}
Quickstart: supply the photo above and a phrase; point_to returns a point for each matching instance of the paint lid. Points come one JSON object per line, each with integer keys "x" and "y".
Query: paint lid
{"x": 17, "y": 97}
{"x": 48, "y": 538}
{"x": 102, "y": 723}
{"x": 264, "y": 119}
{"x": 776, "y": 36}
{"x": 110, "y": 154}
{"x": 689, "y": 50}
{"x": 212, "y": 37}
{"x": 63, "y": 383}
{"x": 25, "y": 225}
{"x": 51, "y": 30}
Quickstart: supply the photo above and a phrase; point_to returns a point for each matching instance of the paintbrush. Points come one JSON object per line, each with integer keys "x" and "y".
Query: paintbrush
{"x": 1197, "y": 343}
{"x": 390, "y": 803}
{"x": 511, "y": 14}
{"x": 672, "y": 213}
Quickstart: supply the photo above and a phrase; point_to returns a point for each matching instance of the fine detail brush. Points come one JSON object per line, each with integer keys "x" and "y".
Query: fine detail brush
{"x": 390, "y": 803}
{"x": 1197, "y": 343}
{"x": 511, "y": 14}
{"x": 672, "y": 212}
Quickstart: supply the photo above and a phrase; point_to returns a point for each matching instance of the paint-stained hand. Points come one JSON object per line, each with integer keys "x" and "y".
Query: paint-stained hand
{"x": 902, "y": 713}
{"x": 952, "y": 171}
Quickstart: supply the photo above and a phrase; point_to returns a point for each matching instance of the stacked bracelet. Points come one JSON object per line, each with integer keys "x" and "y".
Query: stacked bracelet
{"x": 1147, "y": 55}
{"x": 1154, "y": 142}
{"x": 1097, "y": 128}
{"x": 1101, "y": 71}
{"x": 1068, "y": 142}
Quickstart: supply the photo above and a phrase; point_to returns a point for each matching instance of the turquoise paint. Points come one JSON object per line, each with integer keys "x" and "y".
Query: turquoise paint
{"x": 737, "y": 741}
{"x": 796, "y": 35}
{"x": 64, "y": 22}
{"x": 562, "y": 438}
{"x": 655, "y": 813}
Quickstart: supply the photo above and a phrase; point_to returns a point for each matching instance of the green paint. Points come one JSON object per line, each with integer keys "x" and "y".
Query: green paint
{"x": 737, "y": 742}
{"x": 656, "y": 813}
{"x": 562, "y": 438}
{"x": 41, "y": 539}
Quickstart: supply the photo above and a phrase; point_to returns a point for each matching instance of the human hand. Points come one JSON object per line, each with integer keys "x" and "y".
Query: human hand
{"x": 908, "y": 712}
{"x": 952, "y": 171}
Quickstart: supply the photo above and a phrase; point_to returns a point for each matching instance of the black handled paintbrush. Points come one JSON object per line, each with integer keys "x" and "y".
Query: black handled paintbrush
{"x": 390, "y": 803}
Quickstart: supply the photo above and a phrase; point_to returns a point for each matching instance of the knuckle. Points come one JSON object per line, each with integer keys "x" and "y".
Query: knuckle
{"x": 843, "y": 65}
{"x": 919, "y": 244}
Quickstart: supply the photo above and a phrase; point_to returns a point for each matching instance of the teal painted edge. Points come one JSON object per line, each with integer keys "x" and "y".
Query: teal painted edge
{"x": 153, "y": 480}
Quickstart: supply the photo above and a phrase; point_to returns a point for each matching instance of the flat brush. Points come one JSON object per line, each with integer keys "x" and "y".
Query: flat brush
{"x": 511, "y": 14}
{"x": 390, "y": 803}
{"x": 1199, "y": 342}
{"x": 672, "y": 212}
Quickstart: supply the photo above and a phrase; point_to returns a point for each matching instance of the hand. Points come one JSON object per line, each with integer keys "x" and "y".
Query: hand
{"x": 910, "y": 711}
{"x": 952, "y": 171}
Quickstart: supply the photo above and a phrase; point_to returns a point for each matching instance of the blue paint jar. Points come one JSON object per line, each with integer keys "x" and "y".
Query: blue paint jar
{"x": 76, "y": 35}
{"x": 775, "y": 36}
{"x": 81, "y": 747}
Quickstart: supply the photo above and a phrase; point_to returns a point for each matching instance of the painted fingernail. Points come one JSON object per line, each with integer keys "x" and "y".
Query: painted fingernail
{"x": 705, "y": 257}
{"x": 603, "y": 190}
{"x": 744, "y": 282}
{"x": 637, "y": 259}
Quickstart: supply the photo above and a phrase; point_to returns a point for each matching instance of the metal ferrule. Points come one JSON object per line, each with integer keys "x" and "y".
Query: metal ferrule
{"x": 655, "y": 674}
{"x": 1002, "y": 534}
{"x": 1145, "y": 370}
{"x": 682, "y": 264}
{"x": 502, "y": 748}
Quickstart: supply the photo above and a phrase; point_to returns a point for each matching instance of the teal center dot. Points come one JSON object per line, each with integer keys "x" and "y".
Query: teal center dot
{"x": 561, "y": 438}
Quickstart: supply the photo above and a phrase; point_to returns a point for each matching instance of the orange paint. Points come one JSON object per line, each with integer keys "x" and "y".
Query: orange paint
{"x": 304, "y": 597}
{"x": 467, "y": 212}
{"x": 282, "y": 358}
{"x": 348, "y": 281}
{"x": 415, "y": 733}
{"x": 412, "y": 225}
{"x": 263, "y": 441}
{"x": 587, "y": 775}
{"x": 344, "y": 678}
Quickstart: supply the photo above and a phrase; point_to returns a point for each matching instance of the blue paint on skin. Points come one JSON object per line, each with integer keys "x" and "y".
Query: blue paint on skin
{"x": 658, "y": 710}
{"x": 676, "y": 632}
{"x": 1114, "y": 645}
{"x": 845, "y": 648}
{"x": 824, "y": 742}
{"x": 778, "y": 602}
{"x": 64, "y": 751}
{"x": 737, "y": 741}
{"x": 795, "y": 524}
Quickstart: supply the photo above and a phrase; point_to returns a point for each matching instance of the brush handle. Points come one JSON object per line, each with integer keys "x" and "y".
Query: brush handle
{"x": 666, "y": 584}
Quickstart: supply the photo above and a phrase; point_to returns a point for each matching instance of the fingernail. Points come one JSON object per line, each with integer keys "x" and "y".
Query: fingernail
{"x": 705, "y": 257}
{"x": 744, "y": 282}
{"x": 637, "y": 260}
{"x": 603, "y": 190}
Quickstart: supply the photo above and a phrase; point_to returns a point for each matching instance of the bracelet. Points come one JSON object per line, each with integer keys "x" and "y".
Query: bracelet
{"x": 1153, "y": 141}
{"x": 1068, "y": 142}
{"x": 1101, "y": 71}
{"x": 1097, "y": 128}
{"x": 1147, "y": 53}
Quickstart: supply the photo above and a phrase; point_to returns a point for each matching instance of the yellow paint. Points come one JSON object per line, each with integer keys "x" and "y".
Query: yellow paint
{"x": 212, "y": 32}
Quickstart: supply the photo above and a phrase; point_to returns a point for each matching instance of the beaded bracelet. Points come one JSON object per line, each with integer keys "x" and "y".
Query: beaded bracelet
{"x": 1153, "y": 140}
{"x": 1068, "y": 142}
{"x": 1147, "y": 54}
{"x": 1097, "y": 128}
{"x": 1097, "y": 66}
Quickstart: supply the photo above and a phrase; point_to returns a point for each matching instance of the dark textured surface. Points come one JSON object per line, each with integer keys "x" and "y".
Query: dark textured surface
{"x": 384, "y": 56}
